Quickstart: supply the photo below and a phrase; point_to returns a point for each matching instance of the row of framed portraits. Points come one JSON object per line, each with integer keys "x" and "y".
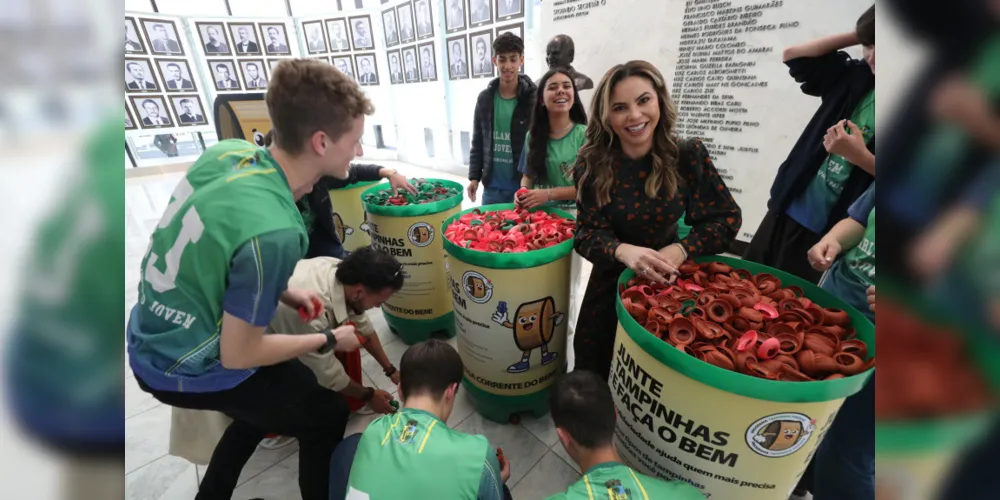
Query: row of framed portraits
{"x": 151, "y": 112}
{"x": 339, "y": 35}
{"x": 413, "y": 64}
{"x": 412, "y": 20}
{"x": 175, "y": 75}
{"x": 362, "y": 68}
{"x": 243, "y": 39}
{"x": 470, "y": 55}
{"x": 158, "y": 37}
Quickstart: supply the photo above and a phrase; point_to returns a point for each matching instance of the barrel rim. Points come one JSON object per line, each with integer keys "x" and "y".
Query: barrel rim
{"x": 523, "y": 260}
{"x": 745, "y": 385}
{"x": 413, "y": 210}
{"x": 357, "y": 184}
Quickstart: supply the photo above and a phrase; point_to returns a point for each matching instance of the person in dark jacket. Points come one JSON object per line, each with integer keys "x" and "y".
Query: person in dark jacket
{"x": 500, "y": 125}
{"x": 323, "y": 239}
{"x": 833, "y": 162}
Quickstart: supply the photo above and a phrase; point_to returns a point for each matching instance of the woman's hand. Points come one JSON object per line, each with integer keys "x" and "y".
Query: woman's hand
{"x": 394, "y": 377}
{"x": 532, "y": 199}
{"x": 347, "y": 339}
{"x": 646, "y": 262}
{"x": 822, "y": 254}
{"x": 851, "y": 146}
{"x": 399, "y": 184}
{"x": 871, "y": 298}
{"x": 674, "y": 253}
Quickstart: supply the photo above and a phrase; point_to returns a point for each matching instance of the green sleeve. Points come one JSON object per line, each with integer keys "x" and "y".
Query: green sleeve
{"x": 490, "y": 483}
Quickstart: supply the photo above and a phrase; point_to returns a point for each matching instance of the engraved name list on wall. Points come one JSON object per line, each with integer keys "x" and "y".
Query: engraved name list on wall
{"x": 569, "y": 9}
{"x": 717, "y": 76}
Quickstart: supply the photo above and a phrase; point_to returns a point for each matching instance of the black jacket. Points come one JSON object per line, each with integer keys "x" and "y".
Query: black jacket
{"x": 481, "y": 154}
{"x": 323, "y": 235}
{"x": 841, "y": 83}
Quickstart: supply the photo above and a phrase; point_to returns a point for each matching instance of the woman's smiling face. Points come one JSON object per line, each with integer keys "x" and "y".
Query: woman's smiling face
{"x": 634, "y": 113}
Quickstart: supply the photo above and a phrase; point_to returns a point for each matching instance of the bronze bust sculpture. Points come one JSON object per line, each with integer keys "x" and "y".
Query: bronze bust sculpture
{"x": 559, "y": 53}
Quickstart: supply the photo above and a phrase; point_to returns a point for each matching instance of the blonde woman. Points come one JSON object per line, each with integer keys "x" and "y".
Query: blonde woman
{"x": 635, "y": 179}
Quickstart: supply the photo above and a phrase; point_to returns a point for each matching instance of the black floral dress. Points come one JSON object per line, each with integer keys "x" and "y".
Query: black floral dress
{"x": 634, "y": 218}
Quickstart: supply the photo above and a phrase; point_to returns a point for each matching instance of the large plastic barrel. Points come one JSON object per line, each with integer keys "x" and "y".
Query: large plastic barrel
{"x": 349, "y": 216}
{"x": 916, "y": 456}
{"x": 731, "y": 435}
{"x": 411, "y": 233}
{"x": 511, "y": 316}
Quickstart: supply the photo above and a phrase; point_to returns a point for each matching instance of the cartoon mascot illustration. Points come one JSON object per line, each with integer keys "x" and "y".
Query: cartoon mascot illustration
{"x": 782, "y": 435}
{"x": 533, "y": 326}
{"x": 421, "y": 234}
{"x": 478, "y": 287}
{"x": 343, "y": 230}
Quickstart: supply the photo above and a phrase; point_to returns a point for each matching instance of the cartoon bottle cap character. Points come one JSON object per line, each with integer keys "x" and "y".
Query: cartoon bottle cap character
{"x": 409, "y": 432}
{"x": 420, "y": 235}
{"x": 615, "y": 490}
{"x": 534, "y": 325}
{"x": 476, "y": 286}
{"x": 782, "y": 435}
{"x": 343, "y": 230}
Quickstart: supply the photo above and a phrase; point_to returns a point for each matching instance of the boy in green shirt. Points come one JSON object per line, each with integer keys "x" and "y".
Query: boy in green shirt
{"x": 584, "y": 414}
{"x": 413, "y": 453}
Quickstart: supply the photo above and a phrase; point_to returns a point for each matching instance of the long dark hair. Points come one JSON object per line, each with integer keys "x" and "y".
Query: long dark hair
{"x": 540, "y": 126}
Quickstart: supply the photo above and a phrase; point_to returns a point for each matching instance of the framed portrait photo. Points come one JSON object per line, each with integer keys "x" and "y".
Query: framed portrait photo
{"x": 275, "y": 39}
{"x": 224, "y": 74}
{"x": 325, "y": 59}
{"x": 480, "y": 13}
{"x": 423, "y": 18}
{"x": 346, "y": 65}
{"x": 454, "y": 16}
{"x": 254, "y": 75}
{"x": 389, "y": 28}
{"x": 481, "y": 54}
{"x": 404, "y": 15}
{"x": 139, "y": 77}
{"x": 428, "y": 62}
{"x": 152, "y": 112}
{"x": 315, "y": 37}
{"x": 176, "y": 75}
{"x": 508, "y": 9}
{"x": 163, "y": 38}
{"x": 340, "y": 40}
{"x": 367, "y": 69}
{"x": 213, "y": 39}
{"x": 133, "y": 41}
{"x": 395, "y": 67}
{"x": 188, "y": 110}
{"x": 361, "y": 32}
{"x": 458, "y": 57}
{"x": 411, "y": 74}
{"x": 129, "y": 121}
{"x": 245, "y": 41}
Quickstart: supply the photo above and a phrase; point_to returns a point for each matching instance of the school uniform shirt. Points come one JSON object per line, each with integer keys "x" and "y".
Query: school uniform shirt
{"x": 851, "y": 275}
{"x": 560, "y": 159}
{"x": 613, "y": 480}
{"x": 504, "y": 172}
{"x": 412, "y": 454}
{"x": 812, "y": 208}
{"x": 195, "y": 433}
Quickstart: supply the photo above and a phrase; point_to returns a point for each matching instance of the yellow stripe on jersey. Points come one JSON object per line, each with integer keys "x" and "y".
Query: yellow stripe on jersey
{"x": 643, "y": 490}
{"x": 590, "y": 491}
{"x": 242, "y": 152}
{"x": 248, "y": 174}
{"x": 424, "y": 442}
{"x": 391, "y": 427}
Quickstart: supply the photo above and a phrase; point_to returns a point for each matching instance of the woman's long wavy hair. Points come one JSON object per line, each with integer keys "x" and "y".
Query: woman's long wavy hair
{"x": 603, "y": 146}
{"x": 540, "y": 127}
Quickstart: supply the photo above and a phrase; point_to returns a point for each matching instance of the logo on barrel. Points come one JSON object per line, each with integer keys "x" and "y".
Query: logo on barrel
{"x": 780, "y": 435}
{"x": 477, "y": 287}
{"x": 421, "y": 234}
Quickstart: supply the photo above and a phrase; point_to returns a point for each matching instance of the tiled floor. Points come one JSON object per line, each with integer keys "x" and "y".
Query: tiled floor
{"x": 540, "y": 467}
